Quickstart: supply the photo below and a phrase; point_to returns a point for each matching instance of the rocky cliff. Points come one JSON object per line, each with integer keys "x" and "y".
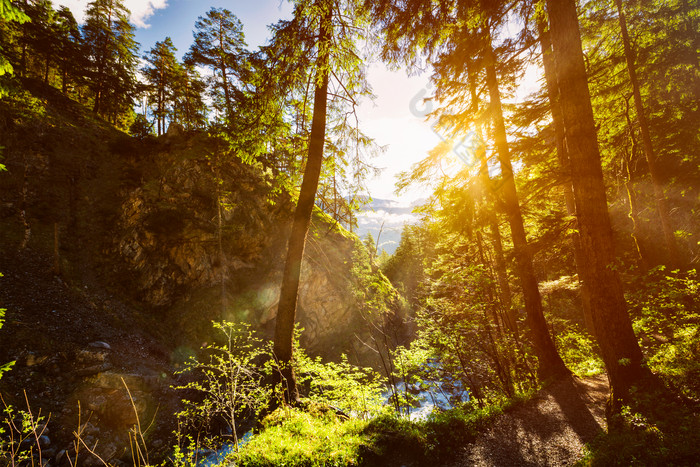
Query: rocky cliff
{"x": 118, "y": 253}
{"x": 178, "y": 226}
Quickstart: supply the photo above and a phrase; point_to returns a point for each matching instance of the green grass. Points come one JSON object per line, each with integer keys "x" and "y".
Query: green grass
{"x": 291, "y": 437}
{"x": 294, "y": 438}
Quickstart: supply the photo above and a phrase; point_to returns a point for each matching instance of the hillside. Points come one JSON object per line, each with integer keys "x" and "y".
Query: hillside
{"x": 110, "y": 251}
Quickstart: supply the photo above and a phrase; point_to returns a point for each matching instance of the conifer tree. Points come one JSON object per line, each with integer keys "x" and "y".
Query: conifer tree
{"x": 189, "y": 108}
{"x": 552, "y": 88}
{"x": 410, "y": 29}
{"x": 673, "y": 257}
{"x": 611, "y": 321}
{"x": 39, "y": 38}
{"x": 109, "y": 44}
{"x": 286, "y": 311}
{"x": 162, "y": 73}
{"x": 8, "y": 14}
{"x": 323, "y": 37}
{"x": 219, "y": 44}
{"x": 69, "y": 59}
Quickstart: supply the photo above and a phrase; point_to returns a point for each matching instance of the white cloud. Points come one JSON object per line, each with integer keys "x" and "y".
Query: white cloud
{"x": 140, "y": 10}
{"x": 389, "y": 219}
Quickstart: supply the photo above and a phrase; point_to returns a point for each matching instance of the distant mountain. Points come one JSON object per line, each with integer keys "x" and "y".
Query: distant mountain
{"x": 392, "y": 215}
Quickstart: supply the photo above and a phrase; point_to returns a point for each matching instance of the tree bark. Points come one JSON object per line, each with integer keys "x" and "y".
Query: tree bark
{"x": 637, "y": 237}
{"x": 499, "y": 258}
{"x": 286, "y": 311}
{"x": 64, "y": 78}
{"x": 563, "y": 157}
{"x": 25, "y": 41}
{"x": 505, "y": 297}
{"x": 550, "y": 363}
{"x": 47, "y": 65}
{"x": 613, "y": 327}
{"x": 661, "y": 202}
{"x": 491, "y": 218}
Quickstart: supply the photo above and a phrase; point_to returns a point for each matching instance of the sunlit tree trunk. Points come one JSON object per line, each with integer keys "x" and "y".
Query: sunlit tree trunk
{"x": 286, "y": 311}
{"x": 637, "y": 238}
{"x": 661, "y": 202}
{"x": 613, "y": 327}
{"x": 499, "y": 258}
{"x": 25, "y": 42}
{"x": 491, "y": 218}
{"x": 558, "y": 125}
{"x": 64, "y": 77}
{"x": 47, "y": 68}
{"x": 550, "y": 363}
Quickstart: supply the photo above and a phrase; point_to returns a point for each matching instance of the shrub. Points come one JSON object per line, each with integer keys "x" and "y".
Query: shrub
{"x": 229, "y": 386}
{"x": 354, "y": 390}
{"x": 579, "y": 353}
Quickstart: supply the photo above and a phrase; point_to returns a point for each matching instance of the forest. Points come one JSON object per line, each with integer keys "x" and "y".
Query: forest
{"x": 181, "y": 279}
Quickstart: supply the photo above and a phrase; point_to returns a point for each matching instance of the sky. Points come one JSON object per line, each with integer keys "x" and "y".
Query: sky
{"x": 389, "y": 119}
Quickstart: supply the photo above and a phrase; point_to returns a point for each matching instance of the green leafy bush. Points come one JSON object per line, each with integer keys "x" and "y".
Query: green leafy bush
{"x": 317, "y": 436}
{"x": 665, "y": 308}
{"x": 678, "y": 361}
{"x": 658, "y": 428}
{"x": 579, "y": 353}
{"x": 354, "y": 390}
{"x": 229, "y": 387}
{"x": 668, "y": 435}
{"x": 20, "y": 431}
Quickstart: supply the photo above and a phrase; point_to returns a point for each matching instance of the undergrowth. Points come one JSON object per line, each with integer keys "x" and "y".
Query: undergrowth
{"x": 317, "y": 437}
{"x": 660, "y": 427}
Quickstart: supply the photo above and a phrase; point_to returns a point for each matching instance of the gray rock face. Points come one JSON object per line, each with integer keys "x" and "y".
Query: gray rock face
{"x": 180, "y": 259}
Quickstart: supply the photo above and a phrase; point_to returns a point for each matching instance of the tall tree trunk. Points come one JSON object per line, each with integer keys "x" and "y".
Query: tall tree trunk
{"x": 64, "y": 78}
{"x": 613, "y": 327}
{"x": 286, "y": 311}
{"x": 159, "y": 105}
{"x": 491, "y": 218}
{"x": 551, "y": 364}
{"x": 493, "y": 308}
{"x": 499, "y": 258}
{"x": 97, "y": 106}
{"x": 563, "y": 157}
{"x": 674, "y": 258}
{"x": 642, "y": 252}
{"x": 25, "y": 39}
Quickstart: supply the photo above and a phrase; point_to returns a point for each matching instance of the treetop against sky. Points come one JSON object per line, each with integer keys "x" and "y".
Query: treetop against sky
{"x": 396, "y": 118}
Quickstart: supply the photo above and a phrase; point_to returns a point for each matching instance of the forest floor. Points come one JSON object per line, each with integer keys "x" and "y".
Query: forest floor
{"x": 72, "y": 343}
{"x": 52, "y": 325}
{"x": 549, "y": 430}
